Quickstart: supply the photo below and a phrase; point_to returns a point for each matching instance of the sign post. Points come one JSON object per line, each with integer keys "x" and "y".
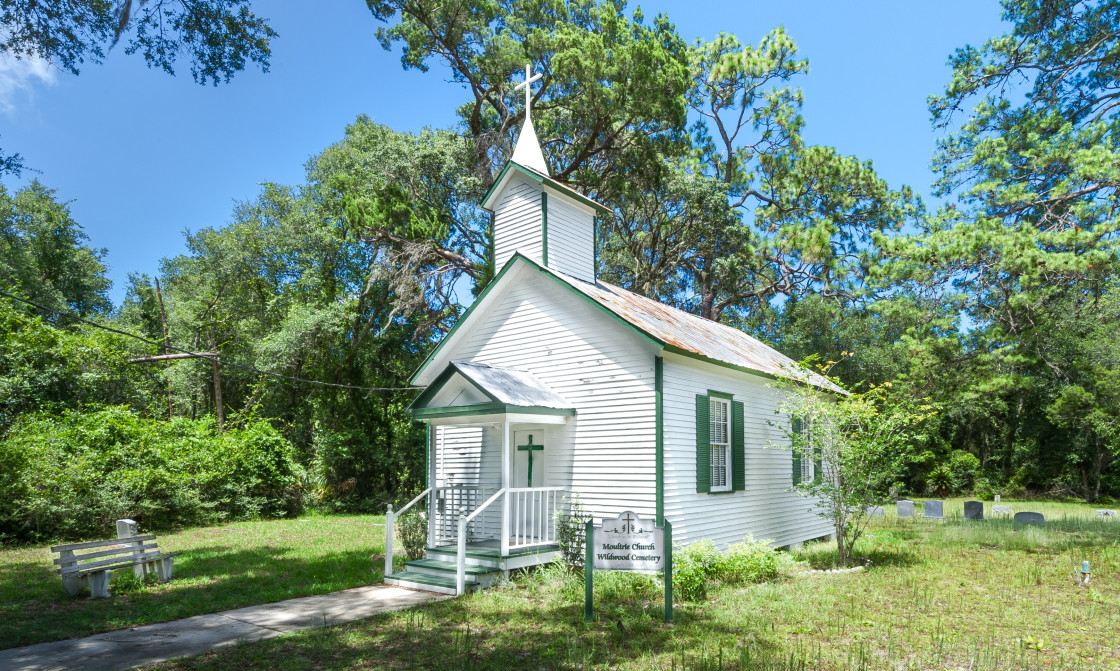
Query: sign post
{"x": 628, "y": 543}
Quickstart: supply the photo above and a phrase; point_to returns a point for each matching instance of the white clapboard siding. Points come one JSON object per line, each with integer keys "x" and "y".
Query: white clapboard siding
{"x": 571, "y": 237}
{"x": 463, "y": 459}
{"x": 765, "y": 508}
{"x": 518, "y": 222}
{"x": 607, "y": 450}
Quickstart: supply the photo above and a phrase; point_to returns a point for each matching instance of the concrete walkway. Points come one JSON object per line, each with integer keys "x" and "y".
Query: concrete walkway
{"x": 140, "y": 646}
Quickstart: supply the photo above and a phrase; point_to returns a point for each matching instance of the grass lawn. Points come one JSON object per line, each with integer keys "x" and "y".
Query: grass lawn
{"x": 939, "y": 595}
{"x": 230, "y": 566}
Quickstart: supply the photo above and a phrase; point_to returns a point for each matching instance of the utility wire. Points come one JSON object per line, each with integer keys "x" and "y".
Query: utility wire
{"x": 281, "y": 376}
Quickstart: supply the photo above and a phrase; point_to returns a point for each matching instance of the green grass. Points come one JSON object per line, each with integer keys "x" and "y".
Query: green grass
{"x": 939, "y": 595}
{"x": 230, "y": 566}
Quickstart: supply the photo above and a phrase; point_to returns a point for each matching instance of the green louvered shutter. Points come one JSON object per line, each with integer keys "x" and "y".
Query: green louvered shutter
{"x": 703, "y": 446}
{"x": 738, "y": 448}
{"x": 796, "y": 453}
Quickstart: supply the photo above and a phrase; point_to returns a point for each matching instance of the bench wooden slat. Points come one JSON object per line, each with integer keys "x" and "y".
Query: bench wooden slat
{"x": 97, "y": 544}
{"x": 108, "y": 562}
{"x": 105, "y": 553}
{"x": 78, "y": 570}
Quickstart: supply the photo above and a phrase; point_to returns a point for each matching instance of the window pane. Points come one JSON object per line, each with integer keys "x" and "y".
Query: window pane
{"x": 718, "y": 413}
{"x": 719, "y": 466}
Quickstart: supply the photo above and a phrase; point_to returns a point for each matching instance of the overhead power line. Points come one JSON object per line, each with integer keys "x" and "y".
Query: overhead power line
{"x": 186, "y": 353}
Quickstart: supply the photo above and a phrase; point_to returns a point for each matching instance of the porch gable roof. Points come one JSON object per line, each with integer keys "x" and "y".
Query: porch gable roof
{"x": 508, "y": 390}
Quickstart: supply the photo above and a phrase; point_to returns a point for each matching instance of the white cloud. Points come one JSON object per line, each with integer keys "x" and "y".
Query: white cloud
{"x": 18, "y": 78}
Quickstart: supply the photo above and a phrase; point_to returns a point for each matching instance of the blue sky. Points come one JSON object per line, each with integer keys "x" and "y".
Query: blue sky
{"x": 143, "y": 156}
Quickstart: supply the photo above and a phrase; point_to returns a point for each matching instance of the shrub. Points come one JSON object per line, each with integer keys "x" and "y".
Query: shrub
{"x": 697, "y": 566}
{"x": 412, "y": 529}
{"x": 69, "y": 476}
{"x": 750, "y": 561}
{"x": 571, "y": 532}
{"x": 693, "y": 566}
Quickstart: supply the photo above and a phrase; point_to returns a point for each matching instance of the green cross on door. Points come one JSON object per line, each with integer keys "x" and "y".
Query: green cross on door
{"x": 530, "y": 448}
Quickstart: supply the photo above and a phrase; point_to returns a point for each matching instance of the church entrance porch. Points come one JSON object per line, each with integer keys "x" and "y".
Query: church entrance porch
{"x": 497, "y": 491}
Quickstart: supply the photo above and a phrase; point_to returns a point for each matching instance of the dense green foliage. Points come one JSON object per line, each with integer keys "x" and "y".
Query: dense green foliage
{"x": 70, "y": 476}
{"x": 699, "y": 566}
{"x": 321, "y": 298}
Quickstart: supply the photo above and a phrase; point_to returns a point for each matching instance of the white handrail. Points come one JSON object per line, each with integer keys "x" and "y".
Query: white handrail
{"x": 390, "y": 517}
{"x": 484, "y": 505}
{"x": 461, "y": 542}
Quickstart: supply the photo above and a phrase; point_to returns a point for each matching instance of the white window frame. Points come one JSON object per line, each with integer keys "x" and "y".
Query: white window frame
{"x": 808, "y": 464}
{"x": 718, "y": 447}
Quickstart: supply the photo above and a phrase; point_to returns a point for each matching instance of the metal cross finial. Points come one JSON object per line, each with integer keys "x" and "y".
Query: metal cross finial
{"x": 529, "y": 79}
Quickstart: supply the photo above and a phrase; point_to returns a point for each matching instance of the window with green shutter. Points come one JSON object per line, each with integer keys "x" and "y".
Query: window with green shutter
{"x": 703, "y": 447}
{"x": 805, "y": 469}
{"x": 720, "y": 443}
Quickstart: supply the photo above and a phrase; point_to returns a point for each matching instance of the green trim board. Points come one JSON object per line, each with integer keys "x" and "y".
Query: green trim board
{"x": 493, "y": 259}
{"x": 659, "y": 436}
{"x": 489, "y": 409}
{"x": 595, "y": 254}
{"x": 544, "y": 228}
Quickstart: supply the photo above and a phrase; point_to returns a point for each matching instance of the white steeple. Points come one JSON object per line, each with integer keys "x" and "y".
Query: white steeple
{"x": 528, "y": 150}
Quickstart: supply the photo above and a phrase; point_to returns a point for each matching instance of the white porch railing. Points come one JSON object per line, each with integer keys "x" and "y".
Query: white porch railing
{"x": 532, "y": 515}
{"x": 446, "y": 504}
{"x": 526, "y": 518}
{"x": 391, "y": 517}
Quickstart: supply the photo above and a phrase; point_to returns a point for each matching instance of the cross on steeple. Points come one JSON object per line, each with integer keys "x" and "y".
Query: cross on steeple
{"x": 527, "y": 152}
{"x": 529, "y": 79}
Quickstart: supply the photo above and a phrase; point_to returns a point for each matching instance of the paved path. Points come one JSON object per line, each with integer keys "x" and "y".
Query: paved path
{"x": 138, "y": 646}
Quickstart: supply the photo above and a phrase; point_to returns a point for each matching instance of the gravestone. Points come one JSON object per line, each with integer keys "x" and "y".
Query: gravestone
{"x": 1106, "y": 513}
{"x": 997, "y": 498}
{"x": 874, "y": 511}
{"x": 973, "y": 510}
{"x": 1001, "y": 510}
{"x": 905, "y": 508}
{"x": 1029, "y": 518}
{"x": 934, "y": 510}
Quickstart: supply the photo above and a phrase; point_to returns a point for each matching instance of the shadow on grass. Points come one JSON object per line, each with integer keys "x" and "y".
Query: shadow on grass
{"x": 206, "y": 580}
{"x": 510, "y": 630}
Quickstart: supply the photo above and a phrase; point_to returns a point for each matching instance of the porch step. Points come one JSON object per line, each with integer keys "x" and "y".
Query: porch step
{"x": 429, "y": 583}
{"x": 491, "y": 557}
{"x": 438, "y": 567}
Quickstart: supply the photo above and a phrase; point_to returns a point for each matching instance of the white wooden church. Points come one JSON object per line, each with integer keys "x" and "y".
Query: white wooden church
{"x": 555, "y": 383}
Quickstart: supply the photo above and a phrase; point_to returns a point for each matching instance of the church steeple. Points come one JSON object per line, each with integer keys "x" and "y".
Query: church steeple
{"x": 528, "y": 152}
{"x": 537, "y": 216}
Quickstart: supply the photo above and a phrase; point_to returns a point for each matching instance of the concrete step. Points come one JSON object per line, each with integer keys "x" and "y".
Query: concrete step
{"x": 429, "y": 583}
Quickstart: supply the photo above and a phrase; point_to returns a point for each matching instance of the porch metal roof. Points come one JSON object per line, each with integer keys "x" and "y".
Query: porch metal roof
{"x": 511, "y": 386}
{"x": 507, "y": 390}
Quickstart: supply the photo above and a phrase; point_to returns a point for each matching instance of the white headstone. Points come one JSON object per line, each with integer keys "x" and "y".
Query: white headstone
{"x": 905, "y": 508}
{"x": 1106, "y": 513}
{"x": 1001, "y": 510}
{"x": 997, "y": 498}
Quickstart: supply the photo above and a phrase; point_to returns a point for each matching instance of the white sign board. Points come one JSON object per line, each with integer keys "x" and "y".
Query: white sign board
{"x": 628, "y": 543}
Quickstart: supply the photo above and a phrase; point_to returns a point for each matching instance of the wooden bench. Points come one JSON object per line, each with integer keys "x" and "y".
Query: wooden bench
{"x": 80, "y": 564}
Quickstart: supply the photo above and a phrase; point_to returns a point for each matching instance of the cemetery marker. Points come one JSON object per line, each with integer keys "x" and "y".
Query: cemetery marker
{"x": 628, "y": 543}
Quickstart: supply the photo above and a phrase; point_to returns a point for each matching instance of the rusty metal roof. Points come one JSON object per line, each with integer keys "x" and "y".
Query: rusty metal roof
{"x": 691, "y": 334}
